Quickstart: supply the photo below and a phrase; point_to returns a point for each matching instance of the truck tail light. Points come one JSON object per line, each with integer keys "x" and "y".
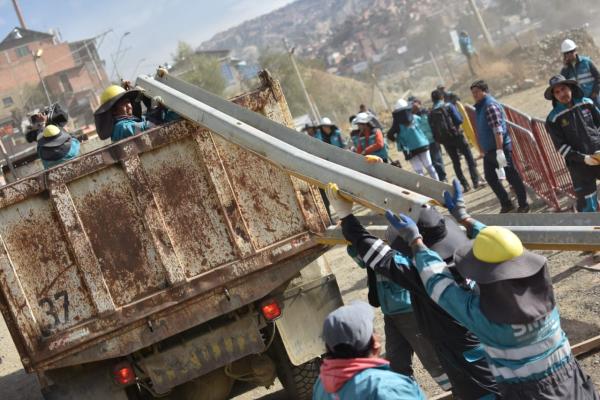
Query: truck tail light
{"x": 270, "y": 310}
{"x": 124, "y": 374}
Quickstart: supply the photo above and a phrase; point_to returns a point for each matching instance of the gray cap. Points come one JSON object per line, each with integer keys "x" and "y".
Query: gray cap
{"x": 351, "y": 324}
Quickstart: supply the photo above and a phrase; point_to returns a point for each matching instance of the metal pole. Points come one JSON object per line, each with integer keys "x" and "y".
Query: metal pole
{"x": 98, "y": 74}
{"x": 314, "y": 104}
{"x": 437, "y": 68}
{"x": 11, "y": 167}
{"x": 37, "y": 68}
{"x": 115, "y": 59}
{"x": 537, "y": 232}
{"x": 138, "y": 66}
{"x": 381, "y": 94}
{"x": 362, "y": 188}
{"x": 19, "y": 14}
{"x": 396, "y": 176}
{"x": 583, "y": 238}
{"x": 486, "y": 33}
{"x": 448, "y": 67}
{"x": 302, "y": 85}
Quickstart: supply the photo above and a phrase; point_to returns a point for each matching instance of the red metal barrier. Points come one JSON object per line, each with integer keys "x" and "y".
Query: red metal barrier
{"x": 530, "y": 163}
{"x": 556, "y": 163}
{"x": 535, "y": 157}
{"x": 552, "y": 161}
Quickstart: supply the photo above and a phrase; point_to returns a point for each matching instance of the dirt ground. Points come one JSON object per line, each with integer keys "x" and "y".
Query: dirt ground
{"x": 577, "y": 291}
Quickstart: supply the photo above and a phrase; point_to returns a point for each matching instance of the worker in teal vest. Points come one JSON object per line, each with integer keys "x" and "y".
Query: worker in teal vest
{"x": 581, "y": 69}
{"x": 115, "y": 118}
{"x": 370, "y": 139}
{"x": 55, "y": 146}
{"x": 329, "y": 133}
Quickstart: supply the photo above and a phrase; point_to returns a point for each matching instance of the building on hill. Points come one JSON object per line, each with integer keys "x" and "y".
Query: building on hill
{"x": 72, "y": 73}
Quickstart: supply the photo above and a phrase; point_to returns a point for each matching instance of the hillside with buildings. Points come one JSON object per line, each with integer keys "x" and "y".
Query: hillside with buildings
{"x": 349, "y": 37}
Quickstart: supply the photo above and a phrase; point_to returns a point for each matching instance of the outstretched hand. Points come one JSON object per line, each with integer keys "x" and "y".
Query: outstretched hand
{"x": 404, "y": 226}
{"x": 342, "y": 206}
{"x": 371, "y": 159}
{"x": 455, "y": 203}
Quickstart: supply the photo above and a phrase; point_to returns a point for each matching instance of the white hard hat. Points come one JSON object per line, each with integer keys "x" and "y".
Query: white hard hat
{"x": 326, "y": 121}
{"x": 567, "y": 46}
{"x": 401, "y": 104}
{"x": 362, "y": 118}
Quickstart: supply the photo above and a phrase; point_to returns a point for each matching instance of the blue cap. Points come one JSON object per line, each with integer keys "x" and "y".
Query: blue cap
{"x": 351, "y": 324}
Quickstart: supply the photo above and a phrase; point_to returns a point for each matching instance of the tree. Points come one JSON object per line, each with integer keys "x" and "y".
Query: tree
{"x": 200, "y": 70}
{"x": 280, "y": 66}
{"x": 336, "y": 97}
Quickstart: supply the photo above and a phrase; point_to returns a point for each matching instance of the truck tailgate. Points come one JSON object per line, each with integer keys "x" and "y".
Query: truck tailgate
{"x": 137, "y": 241}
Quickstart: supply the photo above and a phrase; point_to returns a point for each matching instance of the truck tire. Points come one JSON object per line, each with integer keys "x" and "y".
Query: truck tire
{"x": 298, "y": 381}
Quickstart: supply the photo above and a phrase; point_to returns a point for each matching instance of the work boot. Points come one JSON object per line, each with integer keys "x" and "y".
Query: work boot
{"x": 479, "y": 184}
{"x": 523, "y": 209}
{"x": 507, "y": 208}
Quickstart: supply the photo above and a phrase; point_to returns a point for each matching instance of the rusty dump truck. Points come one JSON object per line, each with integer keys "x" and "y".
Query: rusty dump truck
{"x": 172, "y": 264}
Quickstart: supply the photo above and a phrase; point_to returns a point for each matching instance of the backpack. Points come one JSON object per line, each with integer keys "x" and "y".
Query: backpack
{"x": 442, "y": 126}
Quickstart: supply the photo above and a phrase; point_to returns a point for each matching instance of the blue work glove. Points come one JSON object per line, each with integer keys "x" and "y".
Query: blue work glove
{"x": 456, "y": 203}
{"x": 404, "y": 226}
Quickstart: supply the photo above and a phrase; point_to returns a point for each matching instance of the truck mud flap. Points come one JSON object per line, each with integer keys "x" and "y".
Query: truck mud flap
{"x": 202, "y": 354}
{"x": 301, "y": 324}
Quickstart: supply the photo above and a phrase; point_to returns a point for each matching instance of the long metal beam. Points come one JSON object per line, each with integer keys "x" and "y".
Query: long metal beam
{"x": 388, "y": 173}
{"x": 553, "y": 237}
{"x": 544, "y": 219}
{"x": 372, "y": 192}
{"x": 515, "y": 219}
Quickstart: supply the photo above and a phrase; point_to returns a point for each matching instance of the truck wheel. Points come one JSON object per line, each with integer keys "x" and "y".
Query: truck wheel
{"x": 298, "y": 381}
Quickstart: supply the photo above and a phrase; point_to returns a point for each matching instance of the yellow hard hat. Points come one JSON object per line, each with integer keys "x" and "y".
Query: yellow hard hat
{"x": 110, "y": 93}
{"x": 495, "y": 244}
{"x": 51, "y": 131}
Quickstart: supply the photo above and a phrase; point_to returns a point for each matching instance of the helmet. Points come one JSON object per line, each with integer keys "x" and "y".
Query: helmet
{"x": 362, "y": 118}
{"x": 567, "y": 46}
{"x": 401, "y": 104}
{"x": 495, "y": 244}
{"x": 326, "y": 121}
{"x": 51, "y": 131}
{"x": 110, "y": 93}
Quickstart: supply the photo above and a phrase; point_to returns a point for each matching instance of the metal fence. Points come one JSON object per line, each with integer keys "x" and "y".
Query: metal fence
{"x": 535, "y": 157}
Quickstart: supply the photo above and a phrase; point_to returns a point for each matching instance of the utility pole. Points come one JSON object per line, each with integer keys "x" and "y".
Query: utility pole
{"x": 118, "y": 54}
{"x": 486, "y": 33}
{"x": 92, "y": 58}
{"x": 381, "y": 93}
{"x": 19, "y": 14}
{"x": 315, "y": 115}
{"x": 91, "y": 55}
{"x": 437, "y": 68}
{"x": 36, "y": 56}
{"x": 448, "y": 67}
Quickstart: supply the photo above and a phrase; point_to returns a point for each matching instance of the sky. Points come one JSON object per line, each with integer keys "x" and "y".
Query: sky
{"x": 154, "y": 26}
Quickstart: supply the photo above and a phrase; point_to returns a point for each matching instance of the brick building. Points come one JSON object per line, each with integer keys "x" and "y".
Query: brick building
{"x": 73, "y": 74}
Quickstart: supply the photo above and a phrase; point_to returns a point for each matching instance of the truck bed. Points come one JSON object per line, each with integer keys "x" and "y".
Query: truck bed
{"x": 137, "y": 241}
